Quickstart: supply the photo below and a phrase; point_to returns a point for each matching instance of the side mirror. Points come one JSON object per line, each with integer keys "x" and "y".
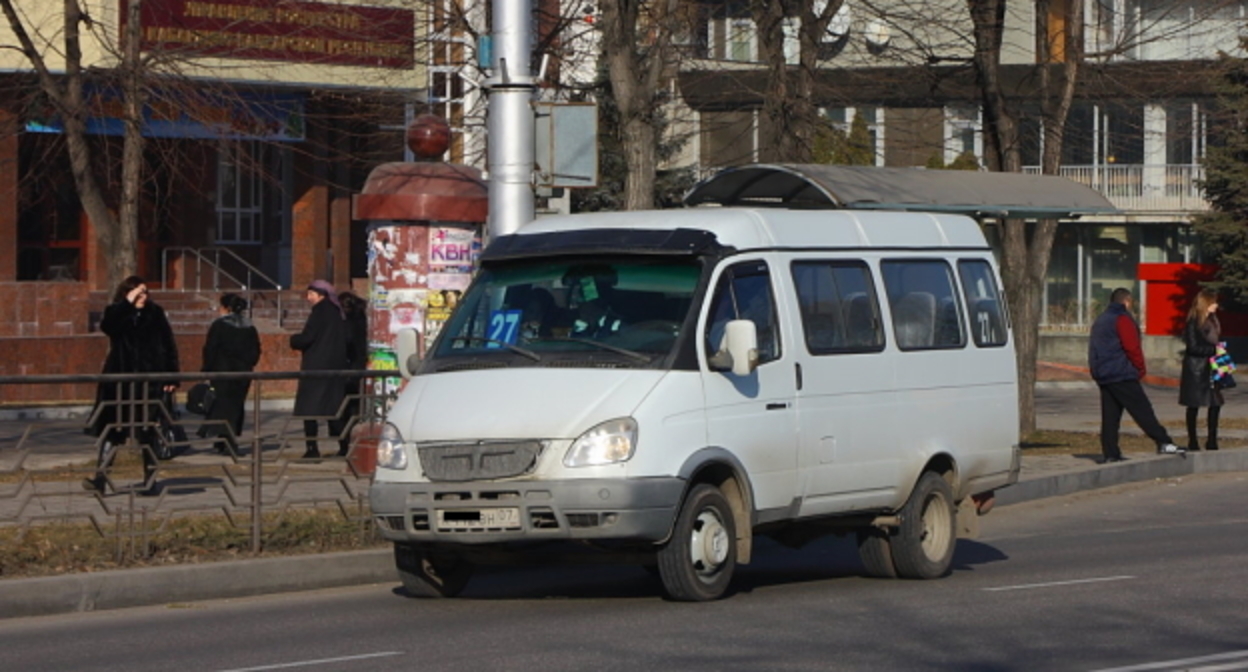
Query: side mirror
{"x": 738, "y": 350}
{"x": 409, "y": 349}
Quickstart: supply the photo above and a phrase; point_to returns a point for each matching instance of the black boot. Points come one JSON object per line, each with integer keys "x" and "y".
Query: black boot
{"x": 104, "y": 460}
{"x": 96, "y": 483}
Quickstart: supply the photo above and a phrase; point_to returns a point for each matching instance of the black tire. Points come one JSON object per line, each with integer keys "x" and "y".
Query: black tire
{"x": 923, "y": 544}
{"x": 875, "y": 549}
{"x": 426, "y": 574}
{"x": 697, "y": 563}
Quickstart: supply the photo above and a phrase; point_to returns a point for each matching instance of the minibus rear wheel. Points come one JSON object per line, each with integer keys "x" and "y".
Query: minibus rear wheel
{"x": 697, "y": 563}
{"x": 428, "y": 574}
{"x": 923, "y": 544}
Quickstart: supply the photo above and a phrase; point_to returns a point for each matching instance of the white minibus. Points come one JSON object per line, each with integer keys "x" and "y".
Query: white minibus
{"x": 665, "y": 386}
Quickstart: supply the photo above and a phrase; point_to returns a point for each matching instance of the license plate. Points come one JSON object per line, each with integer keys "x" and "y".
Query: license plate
{"x": 461, "y": 519}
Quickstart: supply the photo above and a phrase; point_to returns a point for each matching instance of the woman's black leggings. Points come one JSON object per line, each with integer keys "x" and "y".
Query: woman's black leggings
{"x": 1211, "y": 442}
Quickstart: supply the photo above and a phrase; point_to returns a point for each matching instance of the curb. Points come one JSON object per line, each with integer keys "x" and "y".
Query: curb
{"x": 1134, "y": 470}
{"x": 117, "y": 589}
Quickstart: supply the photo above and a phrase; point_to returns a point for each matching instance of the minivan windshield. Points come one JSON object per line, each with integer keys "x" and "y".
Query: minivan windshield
{"x": 626, "y": 311}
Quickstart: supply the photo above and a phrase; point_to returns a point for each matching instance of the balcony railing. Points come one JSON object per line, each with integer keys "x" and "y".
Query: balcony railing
{"x": 1142, "y": 187}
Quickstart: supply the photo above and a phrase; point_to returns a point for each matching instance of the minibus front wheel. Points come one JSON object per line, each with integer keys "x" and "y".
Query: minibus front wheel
{"x": 697, "y": 563}
{"x": 923, "y": 544}
{"x": 429, "y": 574}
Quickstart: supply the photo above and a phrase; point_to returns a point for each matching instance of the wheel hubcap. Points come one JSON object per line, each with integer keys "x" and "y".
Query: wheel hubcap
{"x": 934, "y": 537}
{"x": 709, "y": 547}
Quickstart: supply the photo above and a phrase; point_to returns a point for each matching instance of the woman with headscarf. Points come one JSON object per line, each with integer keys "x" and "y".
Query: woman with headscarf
{"x": 323, "y": 343}
{"x": 140, "y": 340}
{"x": 233, "y": 344}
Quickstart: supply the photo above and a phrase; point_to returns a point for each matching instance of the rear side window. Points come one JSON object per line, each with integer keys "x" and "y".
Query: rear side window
{"x": 983, "y": 303}
{"x": 744, "y": 293}
{"x": 838, "y": 306}
{"x": 925, "y": 307}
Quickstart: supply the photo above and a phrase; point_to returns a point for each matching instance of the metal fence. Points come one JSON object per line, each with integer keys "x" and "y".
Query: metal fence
{"x": 251, "y": 480}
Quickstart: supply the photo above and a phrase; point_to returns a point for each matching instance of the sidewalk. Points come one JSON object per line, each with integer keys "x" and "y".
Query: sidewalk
{"x": 1060, "y": 405}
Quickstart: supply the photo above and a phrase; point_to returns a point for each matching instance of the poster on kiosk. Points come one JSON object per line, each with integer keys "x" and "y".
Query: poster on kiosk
{"x": 417, "y": 274}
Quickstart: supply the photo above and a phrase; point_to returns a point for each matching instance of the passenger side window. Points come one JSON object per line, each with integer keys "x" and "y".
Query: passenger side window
{"x": 925, "y": 307}
{"x": 983, "y": 303}
{"x": 838, "y": 307}
{"x": 744, "y": 293}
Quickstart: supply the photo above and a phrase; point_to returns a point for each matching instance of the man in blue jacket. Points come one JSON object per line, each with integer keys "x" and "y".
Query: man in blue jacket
{"x": 1116, "y": 362}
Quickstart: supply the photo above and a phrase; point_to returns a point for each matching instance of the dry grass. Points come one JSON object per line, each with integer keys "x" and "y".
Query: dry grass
{"x": 60, "y": 548}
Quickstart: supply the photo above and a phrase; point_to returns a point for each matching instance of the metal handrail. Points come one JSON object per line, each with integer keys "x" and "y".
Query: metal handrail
{"x": 201, "y": 255}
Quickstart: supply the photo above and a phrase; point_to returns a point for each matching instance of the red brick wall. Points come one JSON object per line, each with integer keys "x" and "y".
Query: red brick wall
{"x": 53, "y": 355}
{"x": 37, "y": 309}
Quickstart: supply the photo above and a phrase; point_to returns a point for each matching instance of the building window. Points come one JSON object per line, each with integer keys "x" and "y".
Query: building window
{"x": 240, "y": 202}
{"x": 962, "y": 133}
{"x": 740, "y": 40}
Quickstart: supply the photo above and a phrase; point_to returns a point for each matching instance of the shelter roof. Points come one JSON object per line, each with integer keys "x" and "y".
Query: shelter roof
{"x": 974, "y": 193}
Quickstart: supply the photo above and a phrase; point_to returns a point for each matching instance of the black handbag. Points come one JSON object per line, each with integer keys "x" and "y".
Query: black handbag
{"x": 200, "y": 397}
{"x": 1226, "y": 382}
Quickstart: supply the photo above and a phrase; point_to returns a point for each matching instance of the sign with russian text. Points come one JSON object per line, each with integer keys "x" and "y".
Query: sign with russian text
{"x": 282, "y": 30}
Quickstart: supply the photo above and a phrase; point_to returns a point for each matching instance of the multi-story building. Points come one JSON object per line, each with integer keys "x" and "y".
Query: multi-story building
{"x": 1137, "y": 131}
{"x": 261, "y": 120}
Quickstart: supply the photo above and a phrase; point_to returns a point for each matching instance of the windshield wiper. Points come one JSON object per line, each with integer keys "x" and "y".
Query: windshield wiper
{"x": 599, "y": 344}
{"x": 513, "y": 348}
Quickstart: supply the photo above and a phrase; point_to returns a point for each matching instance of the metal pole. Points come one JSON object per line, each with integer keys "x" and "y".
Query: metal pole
{"x": 257, "y": 472}
{"x": 510, "y": 119}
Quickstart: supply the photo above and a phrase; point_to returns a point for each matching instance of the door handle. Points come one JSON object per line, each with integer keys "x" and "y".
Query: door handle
{"x": 777, "y": 406}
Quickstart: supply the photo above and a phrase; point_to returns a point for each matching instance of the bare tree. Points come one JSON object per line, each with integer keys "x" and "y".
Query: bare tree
{"x": 789, "y": 105}
{"x": 637, "y": 46}
{"x": 117, "y": 234}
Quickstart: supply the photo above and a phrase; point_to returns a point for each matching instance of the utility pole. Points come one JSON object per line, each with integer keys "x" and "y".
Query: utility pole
{"x": 510, "y": 118}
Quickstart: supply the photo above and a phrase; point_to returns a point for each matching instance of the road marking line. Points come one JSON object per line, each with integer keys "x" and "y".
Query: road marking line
{"x": 1028, "y": 586}
{"x": 1186, "y": 661}
{"x": 322, "y": 661}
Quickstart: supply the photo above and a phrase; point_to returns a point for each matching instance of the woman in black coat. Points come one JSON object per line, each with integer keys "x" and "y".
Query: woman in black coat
{"x": 323, "y": 343}
{"x": 140, "y": 341}
{"x": 233, "y": 344}
{"x": 356, "y": 311}
{"x": 1201, "y": 335}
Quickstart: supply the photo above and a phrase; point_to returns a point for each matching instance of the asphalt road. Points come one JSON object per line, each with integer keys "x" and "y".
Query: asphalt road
{"x": 1141, "y": 577}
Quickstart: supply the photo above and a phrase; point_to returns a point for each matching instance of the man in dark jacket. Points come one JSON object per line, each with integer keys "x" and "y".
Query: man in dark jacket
{"x": 1116, "y": 362}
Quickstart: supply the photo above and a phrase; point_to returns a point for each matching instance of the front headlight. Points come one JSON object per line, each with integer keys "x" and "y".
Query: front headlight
{"x": 390, "y": 452}
{"x": 606, "y": 443}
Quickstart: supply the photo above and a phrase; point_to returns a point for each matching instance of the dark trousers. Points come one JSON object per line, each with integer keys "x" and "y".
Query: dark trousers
{"x": 1127, "y": 395}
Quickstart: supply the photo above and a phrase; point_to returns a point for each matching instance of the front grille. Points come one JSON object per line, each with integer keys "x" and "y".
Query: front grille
{"x": 482, "y": 460}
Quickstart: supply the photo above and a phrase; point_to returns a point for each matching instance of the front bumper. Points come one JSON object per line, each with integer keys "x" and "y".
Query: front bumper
{"x": 599, "y": 509}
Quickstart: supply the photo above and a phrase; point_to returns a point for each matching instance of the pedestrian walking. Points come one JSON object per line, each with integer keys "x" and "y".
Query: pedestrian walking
{"x": 1116, "y": 362}
{"x": 233, "y": 344}
{"x": 355, "y": 309}
{"x": 323, "y": 343}
{"x": 1197, "y": 389}
{"x": 140, "y": 340}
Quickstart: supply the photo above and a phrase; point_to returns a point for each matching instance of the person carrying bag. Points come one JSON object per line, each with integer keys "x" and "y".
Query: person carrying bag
{"x": 1201, "y": 383}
